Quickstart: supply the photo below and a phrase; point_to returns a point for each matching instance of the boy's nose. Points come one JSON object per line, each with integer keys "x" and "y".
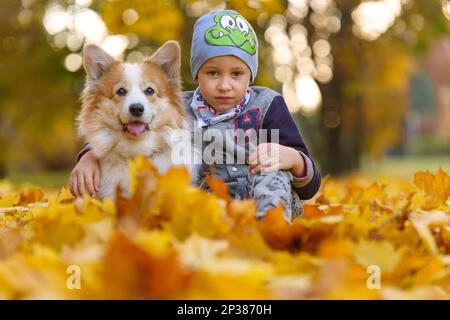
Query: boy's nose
{"x": 224, "y": 85}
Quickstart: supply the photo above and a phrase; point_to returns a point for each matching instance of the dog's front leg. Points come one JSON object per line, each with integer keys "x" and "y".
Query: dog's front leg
{"x": 114, "y": 172}
{"x": 161, "y": 161}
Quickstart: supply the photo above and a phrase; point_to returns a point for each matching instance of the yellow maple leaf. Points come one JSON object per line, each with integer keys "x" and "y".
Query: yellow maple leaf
{"x": 377, "y": 253}
{"x": 438, "y": 184}
{"x": 31, "y": 195}
{"x": 133, "y": 273}
{"x": 9, "y": 199}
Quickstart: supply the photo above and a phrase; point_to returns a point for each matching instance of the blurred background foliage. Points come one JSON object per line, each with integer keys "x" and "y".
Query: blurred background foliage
{"x": 365, "y": 80}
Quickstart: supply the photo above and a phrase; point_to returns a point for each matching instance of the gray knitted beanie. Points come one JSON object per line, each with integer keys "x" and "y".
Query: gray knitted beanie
{"x": 220, "y": 33}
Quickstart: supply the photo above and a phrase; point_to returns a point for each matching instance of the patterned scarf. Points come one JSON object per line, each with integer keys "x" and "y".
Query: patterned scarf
{"x": 207, "y": 115}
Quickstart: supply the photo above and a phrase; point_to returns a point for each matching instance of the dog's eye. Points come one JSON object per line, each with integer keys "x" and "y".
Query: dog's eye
{"x": 121, "y": 92}
{"x": 149, "y": 91}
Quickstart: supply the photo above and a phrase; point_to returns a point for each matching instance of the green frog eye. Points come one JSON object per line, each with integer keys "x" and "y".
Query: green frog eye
{"x": 242, "y": 25}
{"x": 227, "y": 22}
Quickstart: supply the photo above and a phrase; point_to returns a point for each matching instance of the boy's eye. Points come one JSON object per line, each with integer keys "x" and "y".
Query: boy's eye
{"x": 121, "y": 92}
{"x": 237, "y": 73}
{"x": 212, "y": 73}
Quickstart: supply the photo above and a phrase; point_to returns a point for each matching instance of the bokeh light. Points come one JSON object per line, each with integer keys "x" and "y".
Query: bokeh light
{"x": 55, "y": 19}
{"x": 115, "y": 45}
{"x": 373, "y": 18}
{"x": 130, "y": 16}
{"x": 446, "y": 8}
{"x": 73, "y": 62}
{"x": 77, "y": 24}
{"x": 83, "y": 3}
{"x": 25, "y": 17}
{"x": 89, "y": 24}
{"x": 308, "y": 94}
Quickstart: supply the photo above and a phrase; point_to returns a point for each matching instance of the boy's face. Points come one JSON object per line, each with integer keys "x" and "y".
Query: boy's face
{"x": 223, "y": 81}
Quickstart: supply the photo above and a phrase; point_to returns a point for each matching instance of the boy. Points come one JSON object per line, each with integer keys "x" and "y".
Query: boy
{"x": 224, "y": 62}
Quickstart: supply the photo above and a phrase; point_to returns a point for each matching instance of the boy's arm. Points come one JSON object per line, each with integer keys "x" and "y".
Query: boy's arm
{"x": 279, "y": 117}
{"x": 86, "y": 147}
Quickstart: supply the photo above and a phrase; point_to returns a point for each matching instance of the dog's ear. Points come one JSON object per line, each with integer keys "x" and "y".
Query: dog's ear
{"x": 96, "y": 61}
{"x": 168, "y": 58}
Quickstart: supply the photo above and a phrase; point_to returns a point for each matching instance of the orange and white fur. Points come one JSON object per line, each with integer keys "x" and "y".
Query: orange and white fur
{"x": 129, "y": 110}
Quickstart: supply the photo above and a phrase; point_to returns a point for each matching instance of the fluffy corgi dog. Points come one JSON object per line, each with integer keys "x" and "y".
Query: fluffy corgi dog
{"x": 129, "y": 110}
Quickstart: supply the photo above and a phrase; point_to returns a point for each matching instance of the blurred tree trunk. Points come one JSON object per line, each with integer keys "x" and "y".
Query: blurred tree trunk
{"x": 2, "y": 168}
{"x": 342, "y": 121}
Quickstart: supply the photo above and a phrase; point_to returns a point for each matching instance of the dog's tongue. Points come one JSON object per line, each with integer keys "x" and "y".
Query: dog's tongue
{"x": 136, "y": 128}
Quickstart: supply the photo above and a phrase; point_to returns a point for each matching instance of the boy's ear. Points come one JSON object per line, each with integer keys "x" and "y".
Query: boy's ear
{"x": 96, "y": 61}
{"x": 168, "y": 58}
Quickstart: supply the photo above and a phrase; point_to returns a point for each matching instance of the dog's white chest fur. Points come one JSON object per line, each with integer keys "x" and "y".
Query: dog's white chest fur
{"x": 115, "y": 172}
{"x": 113, "y": 152}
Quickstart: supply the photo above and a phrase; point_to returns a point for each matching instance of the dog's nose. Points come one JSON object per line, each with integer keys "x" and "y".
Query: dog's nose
{"x": 136, "y": 109}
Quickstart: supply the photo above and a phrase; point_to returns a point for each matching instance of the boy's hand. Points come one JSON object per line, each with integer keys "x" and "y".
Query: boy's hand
{"x": 85, "y": 176}
{"x": 271, "y": 157}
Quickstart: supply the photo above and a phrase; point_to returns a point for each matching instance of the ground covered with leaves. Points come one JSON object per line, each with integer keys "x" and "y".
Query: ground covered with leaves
{"x": 358, "y": 239}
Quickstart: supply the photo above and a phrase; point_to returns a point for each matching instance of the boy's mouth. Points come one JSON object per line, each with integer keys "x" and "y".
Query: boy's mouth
{"x": 224, "y": 98}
